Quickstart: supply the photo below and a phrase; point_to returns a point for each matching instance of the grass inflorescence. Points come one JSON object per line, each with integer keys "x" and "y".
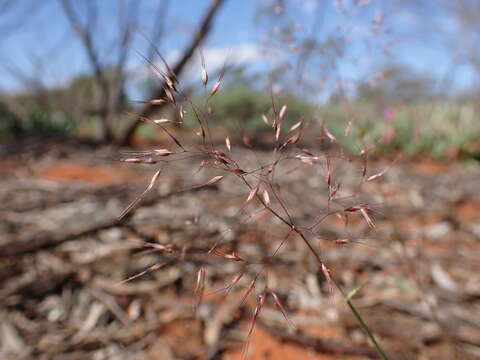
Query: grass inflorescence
{"x": 263, "y": 192}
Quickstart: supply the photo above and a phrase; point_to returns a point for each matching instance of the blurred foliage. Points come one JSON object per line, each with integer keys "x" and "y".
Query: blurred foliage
{"x": 39, "y": 122}
{"x": 10, "y": 123}
{"x": 435, "y": 128}
{"x": 240, "y": 105}
{"x": 403, "y": 111}
{"x": 36, "y": 122}
{"x": 65, "y": 110}
{"x": 396, "y": 84}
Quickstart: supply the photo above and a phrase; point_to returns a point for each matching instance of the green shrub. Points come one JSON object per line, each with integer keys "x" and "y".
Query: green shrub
{"x": 242, "y": 107}
{"x": 36, "y": 123}
{"x": 436, "y": 129}
{"x": 42, "y": 123}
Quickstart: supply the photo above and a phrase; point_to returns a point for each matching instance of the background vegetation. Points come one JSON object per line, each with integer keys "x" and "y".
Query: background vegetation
{"x": 392, "y": 105}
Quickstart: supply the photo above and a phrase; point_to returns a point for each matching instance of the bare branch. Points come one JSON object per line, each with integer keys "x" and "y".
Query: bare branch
{"x": 84, "y": 32}
{"x": 200, "y": 35}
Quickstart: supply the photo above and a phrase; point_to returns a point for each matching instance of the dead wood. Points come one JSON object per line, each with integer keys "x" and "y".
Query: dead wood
{"x": 44, "y": 240}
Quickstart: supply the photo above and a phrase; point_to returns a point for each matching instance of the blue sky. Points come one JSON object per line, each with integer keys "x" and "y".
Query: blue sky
{"x": 42, "y": 45}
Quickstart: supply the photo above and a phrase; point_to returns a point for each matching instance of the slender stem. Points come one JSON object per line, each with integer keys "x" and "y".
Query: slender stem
{"x": 367, "y": 330}
{"x": 352, "y": 307}
{"x": 320, "y": 262}
{"x": 362, "y": 323}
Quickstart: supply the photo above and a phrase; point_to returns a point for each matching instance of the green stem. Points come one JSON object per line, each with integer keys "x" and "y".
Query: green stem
{"x": 367, "y": 330}
{"x": 352, "y": 307}
{"x": 319, "y": 260}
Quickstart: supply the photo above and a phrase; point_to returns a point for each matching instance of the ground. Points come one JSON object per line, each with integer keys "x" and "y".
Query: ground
{"x": 64, "y": 256}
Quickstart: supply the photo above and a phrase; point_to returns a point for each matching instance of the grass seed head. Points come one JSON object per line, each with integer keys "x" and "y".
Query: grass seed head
{"x": 215, "y": 88}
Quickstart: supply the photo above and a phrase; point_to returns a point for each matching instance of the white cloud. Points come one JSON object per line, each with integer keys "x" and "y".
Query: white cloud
{"x": 215, "y": 59}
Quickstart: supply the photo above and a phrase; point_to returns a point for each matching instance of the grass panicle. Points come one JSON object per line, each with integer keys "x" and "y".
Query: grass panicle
{"x": 263, "y": 195}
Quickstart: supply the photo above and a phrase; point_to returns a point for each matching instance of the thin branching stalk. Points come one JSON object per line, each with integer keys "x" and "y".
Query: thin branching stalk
{"x": 263, "y": 188}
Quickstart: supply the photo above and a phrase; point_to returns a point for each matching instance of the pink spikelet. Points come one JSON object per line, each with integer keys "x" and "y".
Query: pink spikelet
{"x": 328, "y": 276}
{"x": 260, "y": 302}
{"x": 280, "y": 306}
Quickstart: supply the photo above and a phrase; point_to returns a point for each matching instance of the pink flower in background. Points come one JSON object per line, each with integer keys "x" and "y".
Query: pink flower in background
{"x": 388, "y": 114}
